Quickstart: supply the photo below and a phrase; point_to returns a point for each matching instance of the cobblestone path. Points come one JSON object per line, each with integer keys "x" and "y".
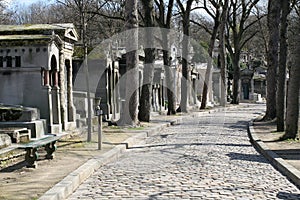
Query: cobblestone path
{"x": 205, "y": 157}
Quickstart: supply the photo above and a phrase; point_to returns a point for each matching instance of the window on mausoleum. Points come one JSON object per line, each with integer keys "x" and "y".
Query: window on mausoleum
{"x": 8, "y": 61}
{"x": 18, "y": 61}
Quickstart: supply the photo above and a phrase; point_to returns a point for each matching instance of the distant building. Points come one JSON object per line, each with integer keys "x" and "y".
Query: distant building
{"x": 36, "y": 70}
{"x": 253, "y": 77}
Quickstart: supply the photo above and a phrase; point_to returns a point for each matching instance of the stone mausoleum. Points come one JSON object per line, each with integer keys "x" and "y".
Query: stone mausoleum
{"x": 36, "y": 71}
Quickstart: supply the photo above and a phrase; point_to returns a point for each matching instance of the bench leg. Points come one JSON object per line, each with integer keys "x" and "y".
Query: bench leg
{"x": 31, "y": 157}
{"x": 50, "y": 148}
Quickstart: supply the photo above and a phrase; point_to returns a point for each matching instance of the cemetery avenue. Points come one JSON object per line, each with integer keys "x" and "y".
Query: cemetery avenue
{"x": 207, "y": 157}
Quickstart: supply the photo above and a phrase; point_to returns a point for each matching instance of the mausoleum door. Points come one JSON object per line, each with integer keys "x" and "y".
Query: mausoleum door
{"x": 246, "y": 90}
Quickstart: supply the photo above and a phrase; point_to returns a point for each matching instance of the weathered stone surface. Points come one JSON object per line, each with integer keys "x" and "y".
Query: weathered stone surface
{"x": 29, "y": 114}
{"x": 18, "y": 114}
{"x": 5, "y": 140}
{"x": 38, "y": 127}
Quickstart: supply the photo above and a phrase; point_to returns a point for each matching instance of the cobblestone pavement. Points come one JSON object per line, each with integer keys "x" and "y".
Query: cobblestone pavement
{"x": 205, "y": 157}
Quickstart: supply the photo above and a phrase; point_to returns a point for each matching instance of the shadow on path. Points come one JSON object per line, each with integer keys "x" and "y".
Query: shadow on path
{"x": 14, "y": 167}
{"x": 287, "y": 196}
{"x": 247, "y": 157}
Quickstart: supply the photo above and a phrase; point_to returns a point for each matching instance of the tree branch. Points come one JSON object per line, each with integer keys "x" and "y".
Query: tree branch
{"x": 202, "y": 26}
{"x": 107, "y": 16}
{"x": 249, "y": 38}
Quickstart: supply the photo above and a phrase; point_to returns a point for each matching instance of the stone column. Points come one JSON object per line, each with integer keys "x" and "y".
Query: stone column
{"x": 194, "y": 91}
{"x": 251, "y": 96}
{"x": 71, "y": 107}
{"x": 114, "y": 99}
{"x": 63, "y": 99}
{"x": 47, "y": 98}
{"x": 161, "y": 94}
{"x": 56, "y": 126}
{"x": 46, "y": 81}
{"x": 241, "y": 96}
{"x": 210, "y": 88}
{"x": 252, "y": 85}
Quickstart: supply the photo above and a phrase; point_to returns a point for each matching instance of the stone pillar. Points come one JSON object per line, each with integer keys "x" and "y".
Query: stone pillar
{"x": 63, "y": 98}
{"x": 50, "y": 111}
{"x": 210, "y": 88}
{"x": 251, "y": 96}
{"x": 71, "y": 107}
{"x": 194, "y": 91}
{"x": 155, "y": 98}
{"x": 113, "y": 94}
{"x": 178, "y": 82}
{"x": 46, "y": 81}
{"x": 56, "y": 123}
{"x": 110, "y": 102}
{"x": 161, "y": 95}
{"x": 240, "y": 90}
{"x": 252, "y": 85}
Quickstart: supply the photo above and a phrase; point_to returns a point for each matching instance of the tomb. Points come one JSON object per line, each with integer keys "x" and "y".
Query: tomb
{"x": 36, "y": 71}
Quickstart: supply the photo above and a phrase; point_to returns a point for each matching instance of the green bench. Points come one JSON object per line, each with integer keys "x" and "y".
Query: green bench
{"x": 31, "y": 156}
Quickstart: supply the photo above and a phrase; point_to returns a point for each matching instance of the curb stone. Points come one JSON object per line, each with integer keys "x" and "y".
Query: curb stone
{"x": 280, "y": 164}
{"x": 68, "y": 185}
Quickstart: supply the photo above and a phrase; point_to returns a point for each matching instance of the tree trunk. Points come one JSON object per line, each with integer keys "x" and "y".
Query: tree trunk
{"x": 169, "y": 78}
{"x": 148, "y": 73}
{"x": 129, "y": 114}
{"x": 185, "y": 80}
{"x": 185, "y": 68}
{"x": 209, "y": 63}
{"x": 165, "y": 23}
{"x": 222, "y": 52}
{"x": 236, "y": 79}
{"x": 273, "y": 27}
{"x": 292, "y": 113}
{"x": 280, "y": 107}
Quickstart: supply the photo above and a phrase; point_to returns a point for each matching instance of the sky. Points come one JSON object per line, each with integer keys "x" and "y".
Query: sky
{"x": 26, "y": 2}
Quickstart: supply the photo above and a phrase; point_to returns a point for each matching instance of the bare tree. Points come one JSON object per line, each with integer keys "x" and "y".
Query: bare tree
{"x": 164, "y": 21}
{"x": 222, "y": 52}
{"x": 293, "y": 91}
{"x": 145, "y": 99}
{"x": 274, "y": 8}
{"x": 212, "y": 8}
{"x": 35, "y": 13}
{"x": 129, "y": 115}
{"x": 108, "y": 20}
{"x": 185, "y": 12}
{"x": 5, "y": 14}
{"x": 280, "y": 99}
{"x": 240, "y": 33}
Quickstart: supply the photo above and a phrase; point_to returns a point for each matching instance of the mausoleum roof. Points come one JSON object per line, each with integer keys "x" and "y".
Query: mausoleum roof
{"x": 37, "y": 31}
{"x": 24, "y": 37}
{"x": 35, "y": 27}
